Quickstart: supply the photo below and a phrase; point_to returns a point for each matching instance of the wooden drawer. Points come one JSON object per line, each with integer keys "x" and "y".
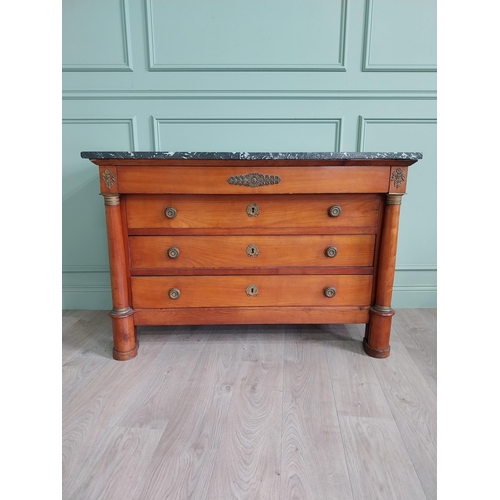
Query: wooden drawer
{"x": 245, "y": 214}
{"x": 241, "y": 177}
{"x": 152, "y": 252}
{"x": 228, "y": 291}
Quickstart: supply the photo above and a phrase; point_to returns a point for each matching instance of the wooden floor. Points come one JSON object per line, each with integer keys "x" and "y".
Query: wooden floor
{"x": 249, "y": 412}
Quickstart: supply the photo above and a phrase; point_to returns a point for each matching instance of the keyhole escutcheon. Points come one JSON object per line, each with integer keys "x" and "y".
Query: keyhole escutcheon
{"x": 252, "y": 250}
{"x": 253, "y": 210}
{"x": 252, "y": 290}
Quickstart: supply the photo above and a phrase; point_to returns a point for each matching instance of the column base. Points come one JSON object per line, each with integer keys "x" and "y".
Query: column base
{"x": 124, "y": 334}
{"x": 125, "y": 356}
{"x": 376, "y": 353}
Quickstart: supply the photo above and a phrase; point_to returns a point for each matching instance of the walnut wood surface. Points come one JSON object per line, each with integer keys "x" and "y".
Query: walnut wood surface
{"x": 280, "y": 211}
{"x": 231, "y": 251}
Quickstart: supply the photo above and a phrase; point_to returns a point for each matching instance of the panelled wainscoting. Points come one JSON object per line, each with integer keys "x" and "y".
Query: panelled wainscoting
{"x": 247, "y": 76}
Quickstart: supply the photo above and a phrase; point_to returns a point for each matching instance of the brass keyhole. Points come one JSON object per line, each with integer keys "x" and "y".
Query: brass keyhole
{"x": 253, "y": 210}
{"x": 252, "y": 250}
{"x": 252, "y": 290}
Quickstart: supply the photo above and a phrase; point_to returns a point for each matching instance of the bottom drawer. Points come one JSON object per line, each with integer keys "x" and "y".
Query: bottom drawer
{"x": 233, "y": 291}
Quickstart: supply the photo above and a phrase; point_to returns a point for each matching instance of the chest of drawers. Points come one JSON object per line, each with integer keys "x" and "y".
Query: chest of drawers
{"x": 252, "y": 238}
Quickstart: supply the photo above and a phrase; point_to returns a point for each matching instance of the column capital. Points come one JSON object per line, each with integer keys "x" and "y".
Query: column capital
{"x": 394, "y": 199}
{"x": 111, "y": 199}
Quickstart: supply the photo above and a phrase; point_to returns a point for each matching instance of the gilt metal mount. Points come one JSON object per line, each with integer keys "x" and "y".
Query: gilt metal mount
{"x": 254, "y": 180}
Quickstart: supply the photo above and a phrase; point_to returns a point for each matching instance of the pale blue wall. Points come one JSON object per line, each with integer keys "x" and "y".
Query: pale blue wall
{"x": 268, "y": 75}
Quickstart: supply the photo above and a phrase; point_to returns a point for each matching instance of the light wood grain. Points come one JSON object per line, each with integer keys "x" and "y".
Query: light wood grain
{"x": 153, "y": 400}
{"x": 379, "y": 465}
{"x": 182, "y": 464}
{"x": 119, "y": 459}
{"x": 414, "y": 408}
{"x": 418, "y": 333}
{"x": 248, "y": 464}
{"x": 356, "y": 387}
{"x": 249, "y": 412}
{"x": 313, "y": 462}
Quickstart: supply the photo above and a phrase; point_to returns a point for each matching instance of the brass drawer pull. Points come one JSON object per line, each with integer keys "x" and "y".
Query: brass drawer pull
{"x": 170, "y": 212}
{"x": 253, "y": 210}
{"x": 252, "y": 290}
{"x": 331, "y": 252}
{"x": 173, "y": 252}
{"x": 174, "y": 293}
{"x": 252, "y": 250}
{"x": 334, "y": 211}
{"x": 329, "y": 292}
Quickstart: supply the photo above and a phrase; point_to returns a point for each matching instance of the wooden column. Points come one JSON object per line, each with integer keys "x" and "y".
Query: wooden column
{"x": 376, "y": 341}
{"x": 124, "y": 338}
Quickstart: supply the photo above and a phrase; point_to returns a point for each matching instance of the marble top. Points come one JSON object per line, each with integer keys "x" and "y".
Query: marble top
{"x": 248, "y": 156}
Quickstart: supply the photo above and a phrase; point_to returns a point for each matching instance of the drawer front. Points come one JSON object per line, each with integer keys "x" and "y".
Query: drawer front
{"x": 226, "y": 291}
{"x": 157, "y": 252}
{"x": 278, "y": 212}
{"x": 251, "y": 177}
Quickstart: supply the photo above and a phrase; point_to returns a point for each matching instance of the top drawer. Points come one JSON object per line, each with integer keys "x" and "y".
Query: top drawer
{"x": 252, "y": 179}
{"x": 271, "y": 214}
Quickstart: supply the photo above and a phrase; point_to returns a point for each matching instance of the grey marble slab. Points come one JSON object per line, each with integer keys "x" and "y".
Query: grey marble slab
{"x": 146, "y": 155}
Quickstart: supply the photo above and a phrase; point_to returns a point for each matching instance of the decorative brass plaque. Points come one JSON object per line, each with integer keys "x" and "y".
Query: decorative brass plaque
{"x": 329, "y": 292}
{"x": 254, "y": 180}
{"x": 252, "y": 290}
{"x": 253, "y": 210}
{"x": 108, "y": 178}
{"x": 252, "y": 250}
{"x": 398, "y": 177}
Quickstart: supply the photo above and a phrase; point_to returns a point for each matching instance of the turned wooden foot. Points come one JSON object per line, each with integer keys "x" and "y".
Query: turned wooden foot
{"x": 124, "y": 334}
{"x": 378, "y": 332}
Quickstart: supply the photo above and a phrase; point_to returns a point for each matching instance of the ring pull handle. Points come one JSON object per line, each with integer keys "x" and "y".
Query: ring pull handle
{"x": 173, "y": 252}
{"x": 334, "y": 211}
{"x": 174, "y": 293}
{"x": 170, "y": 212}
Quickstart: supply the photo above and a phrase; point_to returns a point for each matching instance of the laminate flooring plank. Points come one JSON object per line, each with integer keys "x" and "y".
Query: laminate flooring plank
{"x": 72, "y": 316}
{"x": 88, "y": 416}
{"x": 379, "y": 465}
{"x": 249, "y": 461}
{"x": 419, "y": 335}
{"x": 264, "y": 343}
{"x": 116, "y": 463}
{"x": 153, "y": 400}
{"x": 77, "y": 373}
{"x": 82, "y": 332}
{"x": 182, "y": 464}
{"x": 356, "y": 388}
{"x": 313, "y": 464}
{"x": 414, "y": 408}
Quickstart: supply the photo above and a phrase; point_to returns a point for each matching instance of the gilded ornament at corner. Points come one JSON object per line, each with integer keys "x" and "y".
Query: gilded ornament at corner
{"x": 108, "y": 178}
{"x": 398, "y": 177}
